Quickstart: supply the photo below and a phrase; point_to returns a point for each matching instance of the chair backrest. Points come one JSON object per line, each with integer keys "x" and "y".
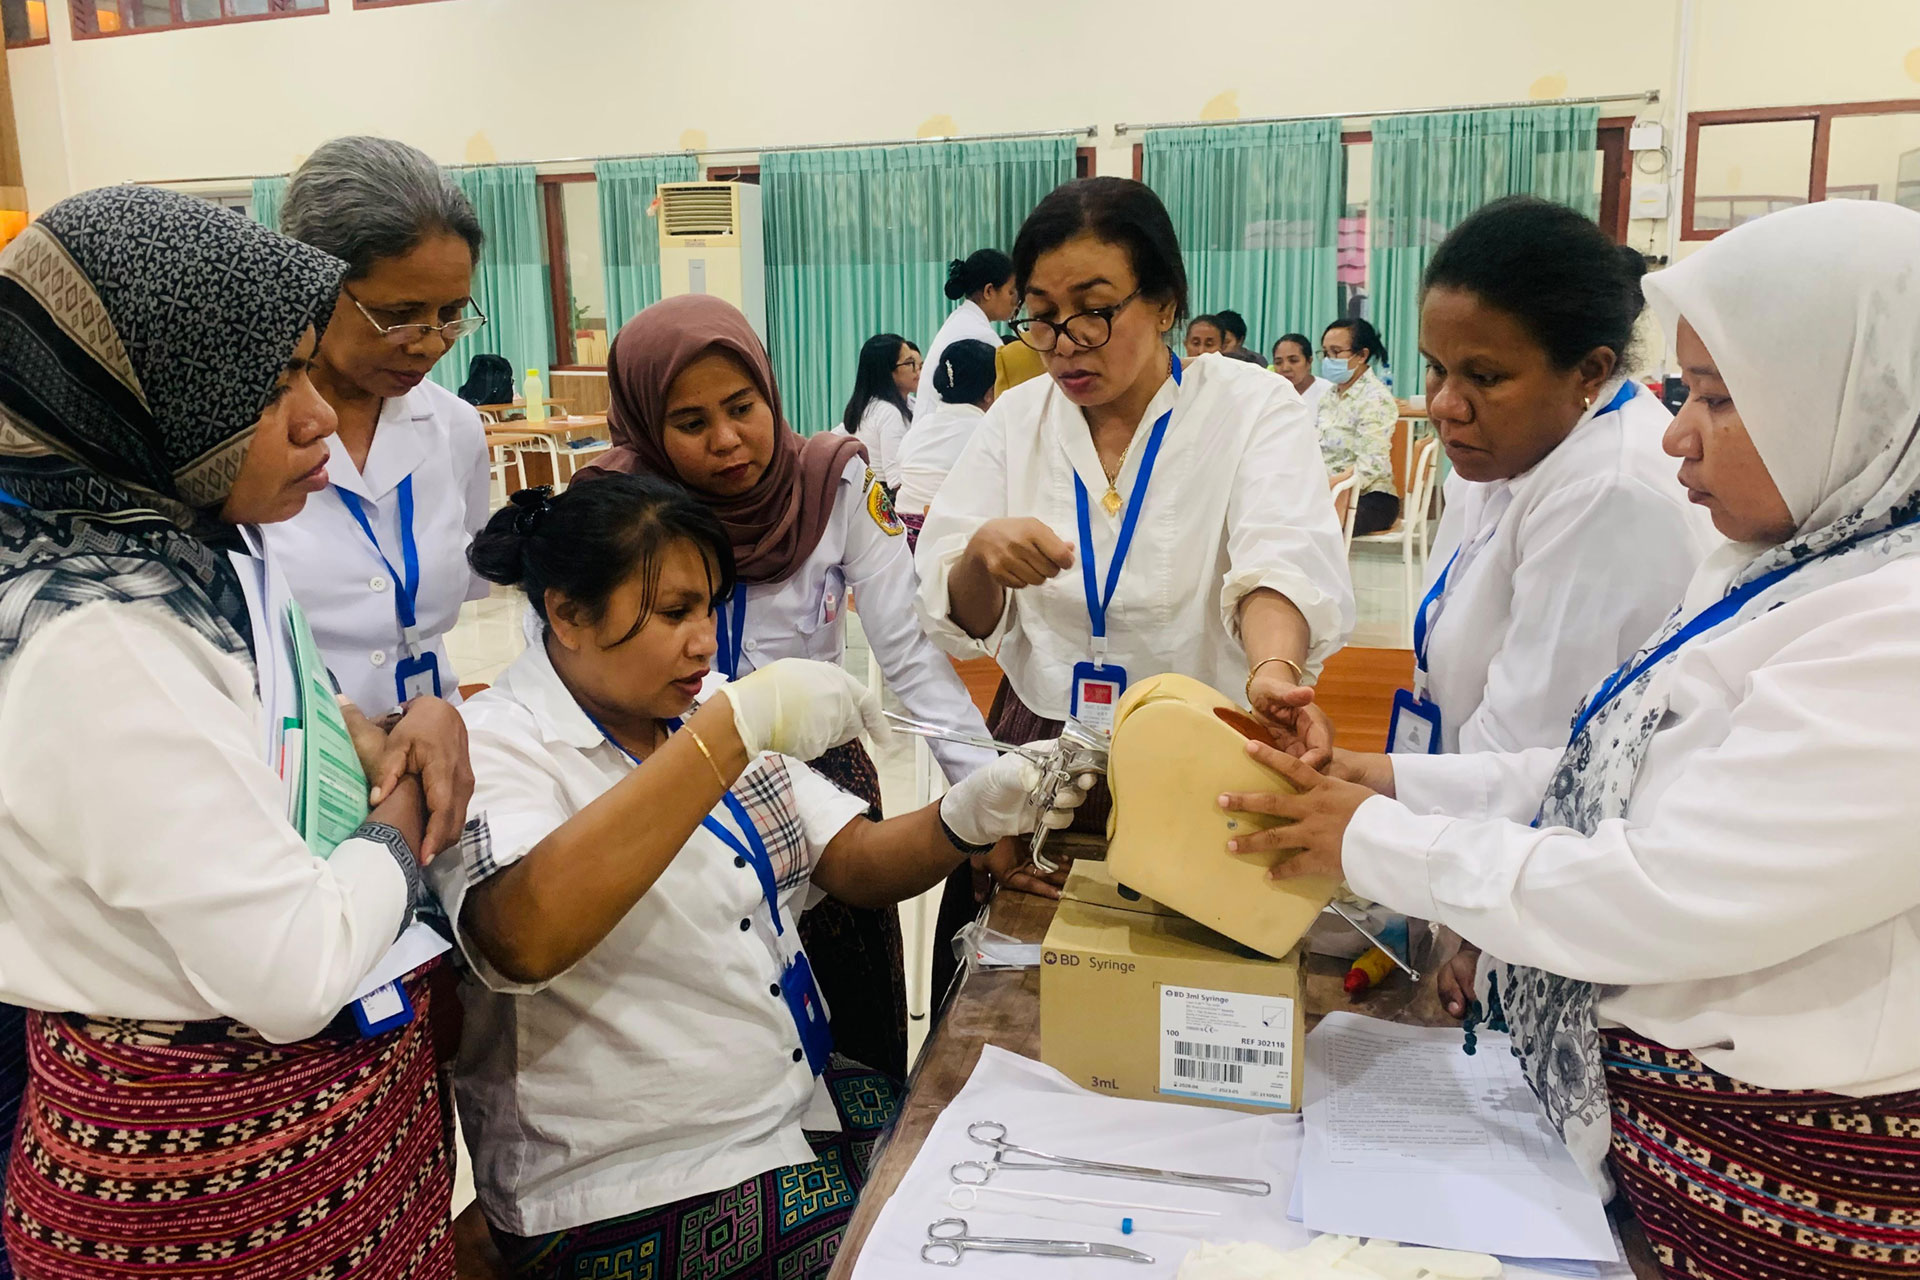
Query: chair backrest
{"x": 1356, "y": 689}
{"x": 1399, "y": 456}
{"x": 1420, "y": 489}
{"x": 1342, "y": 487}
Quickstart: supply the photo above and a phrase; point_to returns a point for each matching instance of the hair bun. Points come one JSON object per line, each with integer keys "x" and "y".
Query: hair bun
{"x": 1634, "y": 260}
{"x": 531, "y": 506}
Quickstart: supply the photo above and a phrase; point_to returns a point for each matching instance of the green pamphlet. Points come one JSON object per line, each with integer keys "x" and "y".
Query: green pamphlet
{"x": 331, "y": 786}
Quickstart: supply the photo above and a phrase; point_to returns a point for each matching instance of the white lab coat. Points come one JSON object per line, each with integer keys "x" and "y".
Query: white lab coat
{"x": 342, "y": 583}
{"x": 883, "y": 429}
{"x": 1565, "y": 572}
{"x": 1238, "y": 501}
{"x": 931, "y": 450}
{"x": 1758, "y": 904}
{"x": 967, "y": 321}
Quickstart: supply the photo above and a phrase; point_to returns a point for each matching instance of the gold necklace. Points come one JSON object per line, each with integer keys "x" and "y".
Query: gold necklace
{"x": 1110, "y": 500}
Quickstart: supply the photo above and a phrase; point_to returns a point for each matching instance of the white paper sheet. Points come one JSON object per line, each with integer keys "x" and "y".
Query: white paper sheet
{"x": 419, "y": 944}
{"x": 1409, "y": 1138}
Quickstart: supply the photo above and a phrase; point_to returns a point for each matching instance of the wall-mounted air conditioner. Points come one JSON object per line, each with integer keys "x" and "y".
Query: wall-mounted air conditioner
{"x": 710, "y": 243}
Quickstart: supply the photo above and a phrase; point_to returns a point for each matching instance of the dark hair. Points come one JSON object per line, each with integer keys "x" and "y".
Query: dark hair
{"x": 1207, "y": 320}
{"x": 1232, "y": 322}
{"x": 981, "y": 269}
{"x": 873, "y": 378}
{"x": 587, "y": 541}
{"x": 1301, "y": 340}
{"x": 1119, "y": 211}
{"x": 364, "y": 199}
{"x": 1362, "y": 336}
{"x": 965, "y": 373}
{"x": 1550, "y": 268}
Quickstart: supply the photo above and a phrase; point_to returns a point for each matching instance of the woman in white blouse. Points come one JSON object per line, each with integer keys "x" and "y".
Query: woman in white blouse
{"x": 965, "y": 383}
{"x": 646, "y": 1050}
{"x": 982, "y": 283}
{"x": 1709, "y": 933}
{"x": 877, "y": 412}
{"x": 378, "y": 559}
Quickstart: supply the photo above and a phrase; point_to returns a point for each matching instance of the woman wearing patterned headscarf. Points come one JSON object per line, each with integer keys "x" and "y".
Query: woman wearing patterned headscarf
{"x": 194, "y": 1092}
{"x": 1709, "y": 933}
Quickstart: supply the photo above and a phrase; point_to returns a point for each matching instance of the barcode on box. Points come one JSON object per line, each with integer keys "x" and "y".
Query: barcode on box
{"x": 1208, "y": 1072}
{"x": 1230, "y": 1053}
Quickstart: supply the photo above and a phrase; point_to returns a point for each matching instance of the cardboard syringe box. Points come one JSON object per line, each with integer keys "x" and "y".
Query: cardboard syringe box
{"x": 1139, "y": 1002}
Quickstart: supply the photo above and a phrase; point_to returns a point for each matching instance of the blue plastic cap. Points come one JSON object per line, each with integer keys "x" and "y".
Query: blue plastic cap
{"x": 1126, "y": 1226}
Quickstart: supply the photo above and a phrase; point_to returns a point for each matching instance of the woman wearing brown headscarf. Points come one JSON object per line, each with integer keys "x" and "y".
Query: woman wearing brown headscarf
{"x": 693, "y": 400}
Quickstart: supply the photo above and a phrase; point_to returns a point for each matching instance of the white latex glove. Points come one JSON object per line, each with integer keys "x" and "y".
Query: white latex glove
{"x": 999, "y": 800}
{"x": 802, "y": 708}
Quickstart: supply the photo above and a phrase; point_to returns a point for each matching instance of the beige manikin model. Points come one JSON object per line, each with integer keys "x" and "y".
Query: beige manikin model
{"x": 1177, "y": 745}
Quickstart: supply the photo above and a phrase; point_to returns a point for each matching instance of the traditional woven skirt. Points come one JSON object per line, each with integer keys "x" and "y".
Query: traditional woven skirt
{"x": 914, "y": 524}
{"x": 1729, "y": 1180}
{"x": 856, "y": 951}
{"x": 784, "y": 1224}
{"x": 149, "y": 1150}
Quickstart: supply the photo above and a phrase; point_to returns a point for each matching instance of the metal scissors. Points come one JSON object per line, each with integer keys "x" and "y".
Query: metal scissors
{"x": 948, "y": 1241}
{"x": 989, "y": 1133}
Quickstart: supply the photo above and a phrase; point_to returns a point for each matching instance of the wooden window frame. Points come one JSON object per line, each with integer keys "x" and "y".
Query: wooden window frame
{"x": 179, "y": 23}
{"x": 553, "y": 212}
{"x": 388, "y": 4}
{"x": 30, "y": 43}
{"x": 1821, "y": 114}
{"x": 747, "y": 173}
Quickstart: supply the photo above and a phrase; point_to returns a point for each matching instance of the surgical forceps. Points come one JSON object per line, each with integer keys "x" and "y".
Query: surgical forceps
{"x": 948, "y": 1241}
{"x": 989, "y": 1133}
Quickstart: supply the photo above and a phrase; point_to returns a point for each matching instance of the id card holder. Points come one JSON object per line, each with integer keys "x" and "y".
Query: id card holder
{"x": 417, "y": 676}
{"x": 809, "y": 1011}
{"x": 1096, "y": 692}
{"x": 1415, "y": 727}
{"x": 382, "y": 1009}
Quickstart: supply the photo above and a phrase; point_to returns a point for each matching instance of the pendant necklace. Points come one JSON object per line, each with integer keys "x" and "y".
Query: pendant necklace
{"x": 1110, "y": 500}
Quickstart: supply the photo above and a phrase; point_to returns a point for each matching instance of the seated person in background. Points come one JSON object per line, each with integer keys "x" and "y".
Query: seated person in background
{"x": 1203, "y": 336}
{"x": 1293, "y": 360}
{"x": 1356, "y": 421}
{"x": 645, "y": 1049}
{"x": 1014, "y": 363}
{"x": 965, "y": 383}
{"x": 1233, "y": 337}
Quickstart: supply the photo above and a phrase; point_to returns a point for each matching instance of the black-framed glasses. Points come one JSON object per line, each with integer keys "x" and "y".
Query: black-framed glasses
{"x": 1087, "y": 330}
{"x": 405, "y": 335}
{"x": 911, "y": 362}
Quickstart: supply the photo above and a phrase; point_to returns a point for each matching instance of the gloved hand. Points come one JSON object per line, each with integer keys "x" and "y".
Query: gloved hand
{"x": 801, "y": 708}
{"x": 999, "y": 800}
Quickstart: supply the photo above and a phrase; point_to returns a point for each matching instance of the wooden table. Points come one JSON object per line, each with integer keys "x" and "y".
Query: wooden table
{"x": 542, "y": 445}
{"x": 1003, "y": 1008}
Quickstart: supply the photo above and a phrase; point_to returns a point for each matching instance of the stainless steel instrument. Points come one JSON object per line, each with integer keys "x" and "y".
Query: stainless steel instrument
{"x": 949, "y": 1240}
{"x": 989, "y": 1133}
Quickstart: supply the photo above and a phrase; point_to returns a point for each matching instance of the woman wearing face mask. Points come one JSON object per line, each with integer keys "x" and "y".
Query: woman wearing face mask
{"x": 1293, "y": 360}
{"x": 965, "y": 381}
{"x": 195, "y": 1090}
{"x": 877, "y": 413}
{"x": 1707, "y": 932}
{"x": 694, "y": 401}
{"x": 645, "y": 1052}
{"x": 1356, "y": 419}
{"x": 982, "y": 284}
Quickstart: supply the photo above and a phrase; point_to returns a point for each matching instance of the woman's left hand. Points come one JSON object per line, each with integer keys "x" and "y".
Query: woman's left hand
{"x": 1319, "y": 816}
{"x": 1300, "y": 727}
{"x": 430, "y": 741}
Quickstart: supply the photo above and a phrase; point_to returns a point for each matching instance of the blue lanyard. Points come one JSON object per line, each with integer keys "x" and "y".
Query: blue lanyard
{"x": 1421, "y": 625}
{"x": 753, "y": 849}
{"x": 732, "y": 633}
{"x": 406, "y": 589}
{"x": 1097, "y": 601}
{"x": 8, "y": 500}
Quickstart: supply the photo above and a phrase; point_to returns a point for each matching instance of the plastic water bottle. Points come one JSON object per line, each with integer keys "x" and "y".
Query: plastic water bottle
{"x": 536, "y": 396}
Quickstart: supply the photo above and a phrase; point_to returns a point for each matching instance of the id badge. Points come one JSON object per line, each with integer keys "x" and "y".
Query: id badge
{"x": 382, "y": 1009}
{"x": 417, "y": 677}
{"x": 1096, "y": 692}
{"x": 1415, "y": 728}
{"x": 809, "y": 1011}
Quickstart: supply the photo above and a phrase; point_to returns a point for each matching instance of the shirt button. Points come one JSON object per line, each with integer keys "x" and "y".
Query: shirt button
{"x": 799, "y": 1055}
{"x": 376, "y": 583}
{"x": 745, "y": 925}
{"x": 752, "y": 646}
{"x": 378, "y": 657}
{"x": 739, "y": 862}
{"x": 773, "y": 989}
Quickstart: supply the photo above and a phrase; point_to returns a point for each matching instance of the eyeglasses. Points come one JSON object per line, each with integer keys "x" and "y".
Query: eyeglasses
{"x": 1331, "y": 354}
{"x": 911, "y": 362}
{"x": 1087, "y": 330}
{"x": 405, "y": 335}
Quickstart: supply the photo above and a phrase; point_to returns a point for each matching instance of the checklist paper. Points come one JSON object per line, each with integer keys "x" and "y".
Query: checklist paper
{"x": 1410, "y": 1138}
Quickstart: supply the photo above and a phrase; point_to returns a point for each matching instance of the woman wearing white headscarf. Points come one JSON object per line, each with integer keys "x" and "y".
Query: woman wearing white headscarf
{"x": 1710, "y": 933}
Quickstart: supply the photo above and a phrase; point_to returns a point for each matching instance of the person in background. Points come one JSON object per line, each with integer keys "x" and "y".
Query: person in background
{"x": 877, "y": 412}
{"x": 1199, "y": 476}
{"x": 1704, "y": 901}
{"x": 195, "y": 1089}
{"x": 1014, "y": 363}
{"x": 1203, "y": 336}
{"x": 907, "y": 376}
{"x": 982, "y": 284}
{"x": 1293, "y": 360}
{"x": 694, "y": 401}
{"x": 1233, "y": 337}
{"x": 378, "y": 559}
{"x": 965, "y": 381}
{"x": 1355, "y": 421}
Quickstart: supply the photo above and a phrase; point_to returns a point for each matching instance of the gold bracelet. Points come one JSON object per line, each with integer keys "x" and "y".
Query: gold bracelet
{"x": 1299, "y": 674}
{"x": 711, "y": 762}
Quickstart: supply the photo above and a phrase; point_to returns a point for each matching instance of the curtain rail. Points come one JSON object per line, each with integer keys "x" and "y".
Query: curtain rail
{"x": 1646, "y": 95}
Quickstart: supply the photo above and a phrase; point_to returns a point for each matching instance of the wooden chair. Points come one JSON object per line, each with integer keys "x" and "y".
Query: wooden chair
{"x": 1342, "y": 487}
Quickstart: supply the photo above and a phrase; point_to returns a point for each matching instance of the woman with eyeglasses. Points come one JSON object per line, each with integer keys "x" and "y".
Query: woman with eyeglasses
{"x": 379, "y": 559}
{"x": 878, "y": 412}
{"x": 1131, "y": 514}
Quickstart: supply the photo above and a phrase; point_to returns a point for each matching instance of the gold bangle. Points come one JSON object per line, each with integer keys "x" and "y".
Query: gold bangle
{"x": 711, "y": 762}
{"x": 1299, "y": 674}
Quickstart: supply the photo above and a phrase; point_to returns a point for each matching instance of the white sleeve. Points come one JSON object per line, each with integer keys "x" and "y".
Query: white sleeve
{"x": 975, "y": 491}
{"x": 880, "y": 572}
{"x": 893, "y": 435}
{"x": 1487, "y": 784}
{"x": 825, "y": 810}
{"x": 1794, "y": 831}
{"x": 471, "y": 460}
{"x": 1281, "y": 532}
{"x": 1601, "y": 566}
{"x": 127, "y": 762}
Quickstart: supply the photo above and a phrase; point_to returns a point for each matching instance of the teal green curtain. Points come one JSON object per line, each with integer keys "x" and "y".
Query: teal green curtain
{"x": 858, "y": 241}
{"x": 268, "y": 195}
{"x": 1431, "y": 171}
{"x": 510, "y": 280}
{"x": 629, "y": 238}
{"x": 1257, "y": 209}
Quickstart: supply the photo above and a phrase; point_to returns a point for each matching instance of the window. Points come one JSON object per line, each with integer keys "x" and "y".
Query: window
{"x": 1742, "y": 165}
{"x": 94, "y": 18}
{"x": 1351, "y": 272}
{"x": 576, "y": 277}
{"x": 25, "y": 22}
